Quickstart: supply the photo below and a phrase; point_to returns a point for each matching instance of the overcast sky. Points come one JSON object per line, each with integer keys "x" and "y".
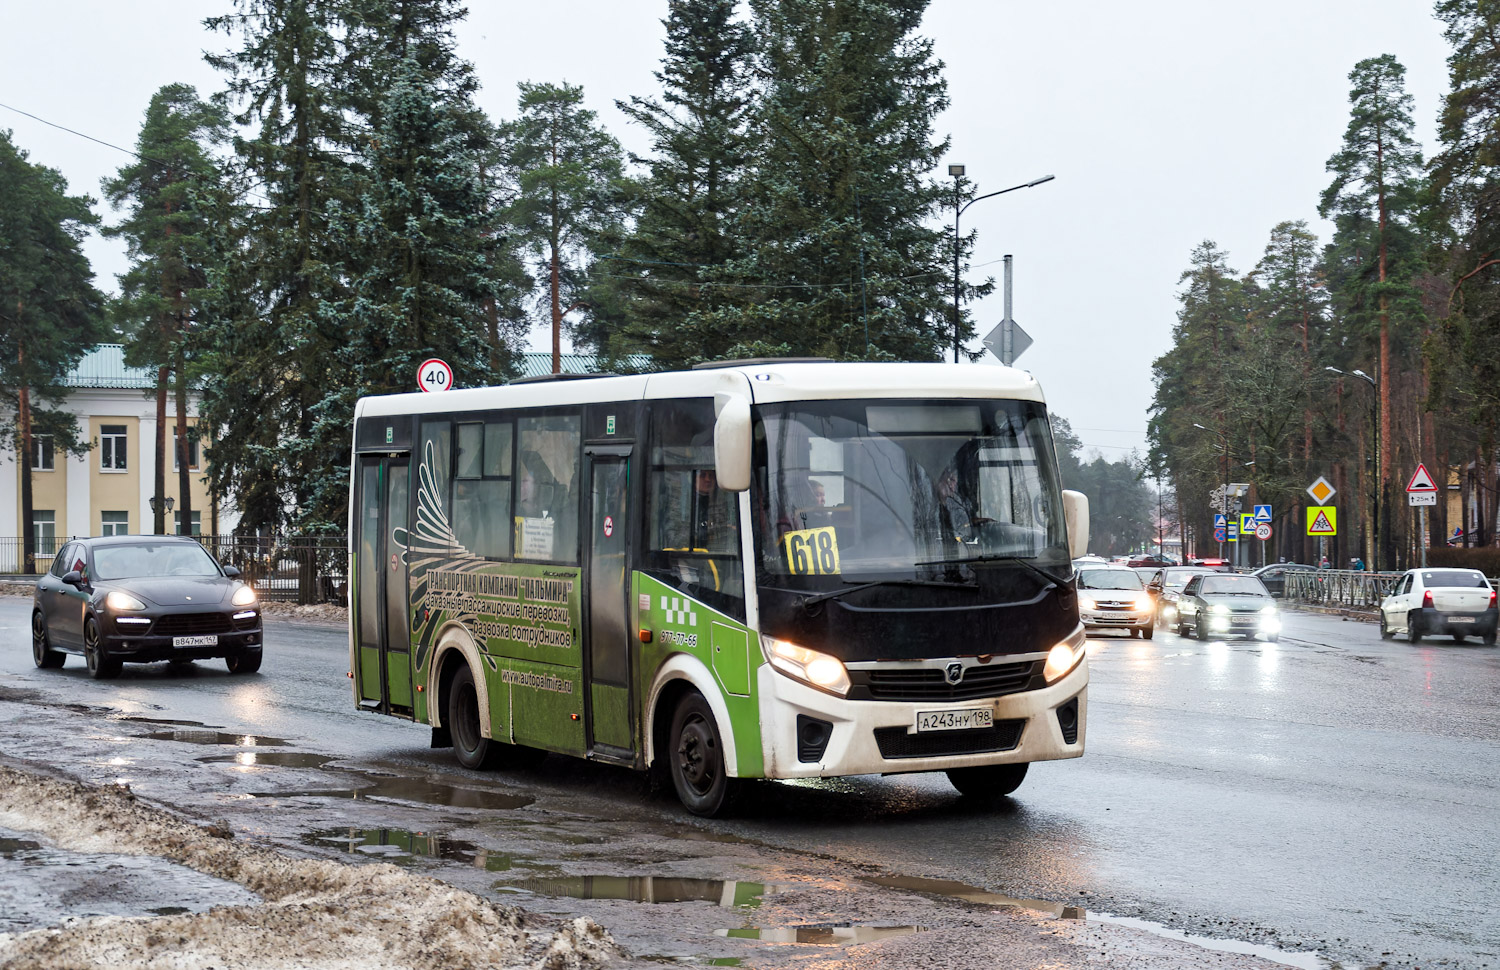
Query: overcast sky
{"x": 1166, "y": 123}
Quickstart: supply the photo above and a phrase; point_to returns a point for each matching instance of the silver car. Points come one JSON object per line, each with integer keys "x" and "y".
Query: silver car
{"x": 1114, "y": 597}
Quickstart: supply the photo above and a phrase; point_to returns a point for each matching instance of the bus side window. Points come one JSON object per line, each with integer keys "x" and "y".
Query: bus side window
{"x": 481, "y": 489}
{"x": 693, "y": 527}
{"x": 547, "y": 492}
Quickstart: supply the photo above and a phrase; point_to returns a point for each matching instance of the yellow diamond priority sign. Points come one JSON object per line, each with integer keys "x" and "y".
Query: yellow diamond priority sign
{"x": 1321, "y": 491}
{"x": 1322, "y": 520}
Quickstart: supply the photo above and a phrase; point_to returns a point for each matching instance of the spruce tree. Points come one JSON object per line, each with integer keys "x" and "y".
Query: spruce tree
{"x": 50, "y": 313}
{"x": 836, "y": 217}
{"x": 667, "y": 267}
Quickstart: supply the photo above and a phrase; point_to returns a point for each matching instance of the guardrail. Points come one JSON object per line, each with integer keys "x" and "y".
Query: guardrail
{"x": 288, "y": 569}
{"x": 1347, "y": 588}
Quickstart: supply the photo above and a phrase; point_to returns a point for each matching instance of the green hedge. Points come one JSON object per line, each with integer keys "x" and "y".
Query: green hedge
{"x": 1486, "y": 560}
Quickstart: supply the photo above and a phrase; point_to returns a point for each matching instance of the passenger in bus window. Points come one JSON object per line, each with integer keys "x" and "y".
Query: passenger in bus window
{"x": 957, "y": 510}
{"x": 537, "y": 487}
{"x": 714, "y": 520}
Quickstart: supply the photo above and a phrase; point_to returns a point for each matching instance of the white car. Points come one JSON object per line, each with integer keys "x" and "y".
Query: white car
{"x": 1112, "y": 596}
{"x": 1433, "y": 601}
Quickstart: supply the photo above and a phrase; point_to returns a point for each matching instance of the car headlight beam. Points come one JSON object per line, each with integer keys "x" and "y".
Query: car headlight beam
{"x": 809, "y": 666}
{"x": 117, "y": 600}
{"x": 243, "y": 596}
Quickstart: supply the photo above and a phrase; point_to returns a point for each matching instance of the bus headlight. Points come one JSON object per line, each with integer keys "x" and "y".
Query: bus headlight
{"x": 1062, "y": 658}
{"x": 809, "y": 666}
{"x": 243, "y": 596}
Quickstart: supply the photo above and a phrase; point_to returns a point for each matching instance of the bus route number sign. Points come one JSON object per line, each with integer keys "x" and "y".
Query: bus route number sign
{"x": 435, "y": 375}
{"x": 812, "y": 552}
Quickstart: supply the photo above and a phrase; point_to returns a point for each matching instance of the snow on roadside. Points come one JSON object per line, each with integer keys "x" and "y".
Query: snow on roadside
{"x": 315, "y": 913}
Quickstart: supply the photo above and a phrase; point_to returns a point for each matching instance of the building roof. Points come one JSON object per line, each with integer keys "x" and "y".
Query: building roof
{"x": 104, "y": 366}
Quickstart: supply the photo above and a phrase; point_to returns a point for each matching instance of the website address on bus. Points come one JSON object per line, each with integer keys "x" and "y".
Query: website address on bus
{"x": 521, "y": 678}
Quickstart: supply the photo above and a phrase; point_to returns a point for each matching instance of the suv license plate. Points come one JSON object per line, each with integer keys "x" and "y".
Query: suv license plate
{"x": 962, "y": 720}
{"x": 206, "y": 641}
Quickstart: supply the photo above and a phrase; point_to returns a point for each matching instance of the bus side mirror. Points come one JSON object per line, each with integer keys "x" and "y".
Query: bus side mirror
{"x": 1076, "y": 512}
{"x": 732, "y": 442}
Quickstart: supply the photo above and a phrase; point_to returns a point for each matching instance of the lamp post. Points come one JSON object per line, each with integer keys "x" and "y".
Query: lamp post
{"x": 1375, "y": 448}
{"x": 166, "y": 503}
{"x": 1224, "y": 497}
{"x": 957, "y": 172}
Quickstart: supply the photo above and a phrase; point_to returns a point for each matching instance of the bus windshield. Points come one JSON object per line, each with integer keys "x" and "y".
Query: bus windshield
{"x": 905, "y": 489}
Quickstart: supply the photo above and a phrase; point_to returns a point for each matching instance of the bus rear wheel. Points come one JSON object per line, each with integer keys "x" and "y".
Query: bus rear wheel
{"x": 695, "y": 755}
{"x": 988, "y": 781}
{"x": 474, "y": 750}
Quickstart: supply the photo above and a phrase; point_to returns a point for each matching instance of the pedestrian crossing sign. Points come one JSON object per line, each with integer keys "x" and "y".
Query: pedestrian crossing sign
{"x": 1247, "y": 523}
{"x": 1322, "y": 520}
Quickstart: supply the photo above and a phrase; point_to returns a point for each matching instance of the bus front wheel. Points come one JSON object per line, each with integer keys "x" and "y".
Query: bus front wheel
{"x": 696, "y": 758}
{"x": 988, "y": 781}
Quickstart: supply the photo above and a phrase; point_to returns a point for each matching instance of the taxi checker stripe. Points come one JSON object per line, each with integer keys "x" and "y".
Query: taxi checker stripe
{"x": 679, "y": 610}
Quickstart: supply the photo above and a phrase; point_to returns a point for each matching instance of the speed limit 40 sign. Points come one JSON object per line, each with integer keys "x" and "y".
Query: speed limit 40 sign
{"x": 435, "y": 375}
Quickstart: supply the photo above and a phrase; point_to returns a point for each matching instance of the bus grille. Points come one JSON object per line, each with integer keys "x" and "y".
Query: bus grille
{"x": 929, "y": 684}
{"x": 181, "y": 623}
{"x": 896, "y": 742}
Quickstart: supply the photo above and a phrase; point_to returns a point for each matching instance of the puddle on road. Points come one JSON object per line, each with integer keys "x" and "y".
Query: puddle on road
{"x": 155, "y": 720}
{"x": 41, "y": 885}
{"x": 405, "y": 847}
{"x": 825, "y": 934}
{"x": 648, "y": 889}
{"x": 972, "y": 894}
{"x": 413, "y": 790}
{"x": 270, "y": 759}
{"x": 218, "y": 737}
{"x": 957, "y": 890}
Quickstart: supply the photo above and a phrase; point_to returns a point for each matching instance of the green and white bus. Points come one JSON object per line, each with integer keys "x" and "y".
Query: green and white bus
{"x": 761, "y": 569}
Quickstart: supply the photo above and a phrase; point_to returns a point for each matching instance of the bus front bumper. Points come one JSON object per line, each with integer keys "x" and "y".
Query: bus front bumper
{"x": 881, "y": 737}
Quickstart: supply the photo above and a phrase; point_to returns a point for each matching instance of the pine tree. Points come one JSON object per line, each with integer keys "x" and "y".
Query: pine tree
{"x": 683, "y": 236}
{"x": 50, "y": 312}
{"x": 841, "y": 257}
{"x": 1375, "y": 254}
{"x": 571, "y": 196}
{"x": 162, "y": 293}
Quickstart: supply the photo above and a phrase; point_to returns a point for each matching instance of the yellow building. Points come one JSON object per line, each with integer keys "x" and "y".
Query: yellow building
{"x": 107, "y": 491}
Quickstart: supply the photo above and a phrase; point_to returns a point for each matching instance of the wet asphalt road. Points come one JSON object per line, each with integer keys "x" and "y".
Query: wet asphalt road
{"x": 1333, "y": 791}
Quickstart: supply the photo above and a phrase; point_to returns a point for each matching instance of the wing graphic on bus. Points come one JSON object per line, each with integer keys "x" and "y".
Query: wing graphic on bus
{"x": 433, "y": 534}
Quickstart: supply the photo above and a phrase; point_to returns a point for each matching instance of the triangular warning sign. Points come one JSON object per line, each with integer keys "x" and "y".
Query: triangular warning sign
{"x": 1421, "y": 481}
{"x": 1320, "y": 525}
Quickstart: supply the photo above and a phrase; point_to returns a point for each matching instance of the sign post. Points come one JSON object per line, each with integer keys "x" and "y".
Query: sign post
{"x": 1421, "y": 491}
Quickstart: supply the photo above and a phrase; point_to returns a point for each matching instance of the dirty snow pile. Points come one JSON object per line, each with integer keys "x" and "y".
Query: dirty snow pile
{"x": 315, "y": 913}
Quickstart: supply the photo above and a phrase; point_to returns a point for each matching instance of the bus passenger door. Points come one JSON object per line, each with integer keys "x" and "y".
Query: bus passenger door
{"x": 609, "y": 708}
{"x": 384, "y": 628}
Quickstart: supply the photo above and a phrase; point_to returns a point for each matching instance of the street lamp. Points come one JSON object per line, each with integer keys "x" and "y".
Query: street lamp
{"x": 166, "y": 503}
{"x": 1374, "y": 447}
{"x": 957, "y": 172}
{"x": 1224, "y": 498}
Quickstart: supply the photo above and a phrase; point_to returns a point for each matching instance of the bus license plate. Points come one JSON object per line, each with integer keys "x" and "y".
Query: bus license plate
{"x": 974, "y": 717}
{"x": 205, "y": 641}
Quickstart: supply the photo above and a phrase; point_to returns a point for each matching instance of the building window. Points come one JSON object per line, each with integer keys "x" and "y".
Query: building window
{"x": 197, "y": 523}
{"x": 44, "y": 532}
{"x": 112, "y": 447}
{"x": 192, "y": 450}
{"x": 41, "y": 453}
{"x": 114, "y": 523}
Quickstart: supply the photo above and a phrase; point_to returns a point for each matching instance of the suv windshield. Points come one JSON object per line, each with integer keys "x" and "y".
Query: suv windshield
{"x": 875, "y": 489}
{"x": 153, "y": 559}
{"x": 1233, "y": 586}
{"x": 1109, "y": 579}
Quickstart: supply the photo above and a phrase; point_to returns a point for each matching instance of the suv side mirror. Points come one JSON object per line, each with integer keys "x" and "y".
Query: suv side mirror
{"x": 73, "y": 578}
{"x": 231, "y": 572}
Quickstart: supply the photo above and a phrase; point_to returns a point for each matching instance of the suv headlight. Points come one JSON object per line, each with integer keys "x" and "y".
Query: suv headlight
{"x": 809, "y": 666}
{"x": 1062, "y": 658}
{"x": 244, "y": 596}
{"x": 123, "y": 601}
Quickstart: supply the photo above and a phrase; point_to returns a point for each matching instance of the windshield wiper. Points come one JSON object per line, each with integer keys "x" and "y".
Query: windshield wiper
{"x": 1046, "y": 574}
{"x": 815, "y": 598}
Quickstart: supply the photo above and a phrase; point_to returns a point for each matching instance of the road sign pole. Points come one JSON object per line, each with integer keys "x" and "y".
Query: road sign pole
{"x": 1422, "y": 538}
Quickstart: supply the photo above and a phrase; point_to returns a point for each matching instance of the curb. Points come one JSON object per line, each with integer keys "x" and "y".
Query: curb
{"x": 1344, "y": 611}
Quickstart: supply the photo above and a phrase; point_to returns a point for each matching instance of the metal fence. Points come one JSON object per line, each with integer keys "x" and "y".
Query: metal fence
{"x": 287, "y": 569}
{"x": 1348, "y": 588}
